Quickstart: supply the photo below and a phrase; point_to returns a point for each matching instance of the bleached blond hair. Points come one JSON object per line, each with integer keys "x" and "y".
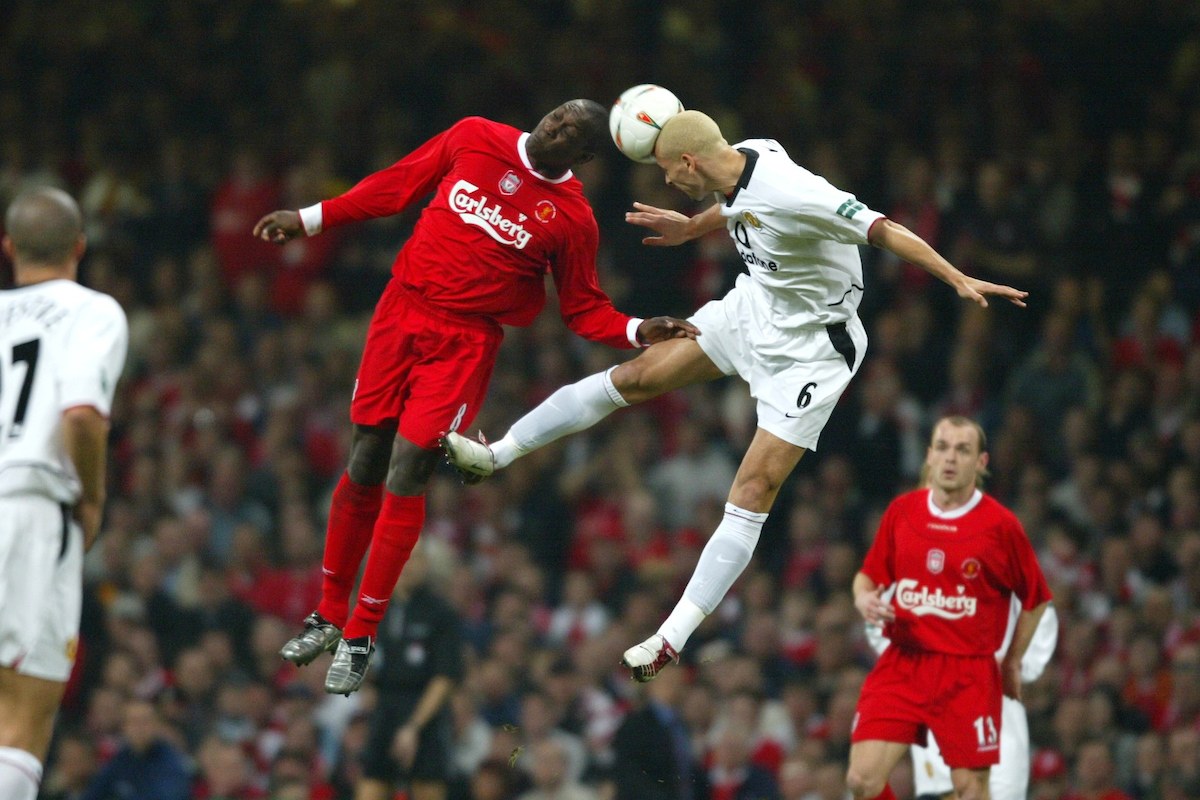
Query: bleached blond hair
{"x": 690, "y": 132}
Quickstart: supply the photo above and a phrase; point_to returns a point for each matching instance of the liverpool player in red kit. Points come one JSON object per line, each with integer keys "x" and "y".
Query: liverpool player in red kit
{"x": 506, "y": 211}
{"x": 956, "y": 558}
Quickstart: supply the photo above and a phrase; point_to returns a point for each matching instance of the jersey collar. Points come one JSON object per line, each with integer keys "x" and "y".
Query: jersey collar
{"x": 744, "y": 178}
{"x": 529, "y": 165}
{"x": 961, "y": 511}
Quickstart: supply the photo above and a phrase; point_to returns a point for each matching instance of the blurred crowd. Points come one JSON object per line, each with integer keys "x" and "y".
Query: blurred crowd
{"x": 1053, "y": 145}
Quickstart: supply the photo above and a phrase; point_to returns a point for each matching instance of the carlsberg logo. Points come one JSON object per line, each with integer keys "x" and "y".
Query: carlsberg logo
{"x": 476, "y": 211}
{"x": 920, "y": 601}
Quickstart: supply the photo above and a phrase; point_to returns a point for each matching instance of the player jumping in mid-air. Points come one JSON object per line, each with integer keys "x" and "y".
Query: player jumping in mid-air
{"x": 789, "y": 328}
{"x": 957, "y": 559}
{"x": 62, "y": 349}
{"x": 506, "y": 211}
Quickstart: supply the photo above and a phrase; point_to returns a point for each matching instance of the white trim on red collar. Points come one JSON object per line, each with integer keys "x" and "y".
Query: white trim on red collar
{"x": 529, "y": 165}
{"x": 961, "y": 511}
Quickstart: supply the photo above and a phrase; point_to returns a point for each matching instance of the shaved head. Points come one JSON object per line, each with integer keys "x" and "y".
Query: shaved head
{"x": 44, "y": 228}
{"x": 689, "y": 132}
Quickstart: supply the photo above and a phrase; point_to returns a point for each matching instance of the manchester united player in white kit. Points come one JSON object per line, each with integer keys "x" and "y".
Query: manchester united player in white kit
{"x": 62, "y": 349}
{"x": 957, "y": 559}
{"x": 789, "y": 328}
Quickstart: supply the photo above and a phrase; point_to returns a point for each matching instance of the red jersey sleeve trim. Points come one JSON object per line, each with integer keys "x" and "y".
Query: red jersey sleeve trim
{"x": 872, "y": 226}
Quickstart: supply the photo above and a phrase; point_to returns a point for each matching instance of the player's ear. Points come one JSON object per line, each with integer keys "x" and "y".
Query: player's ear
{"x": 80, "y": 247}
{"x": 9, "y": 250}
{"x": 983, "y": 461}
{"x": 585, "y": 157}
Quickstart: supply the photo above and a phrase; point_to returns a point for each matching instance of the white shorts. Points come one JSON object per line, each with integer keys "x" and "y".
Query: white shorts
{"x": 796, "y": 376}
{"x": 41, "y": 587}
{"x": 1009, "y": 780}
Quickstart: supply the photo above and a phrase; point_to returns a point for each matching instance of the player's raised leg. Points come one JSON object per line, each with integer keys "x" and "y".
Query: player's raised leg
{"x": 971, "y": 784}
{"x": 871, "y": 763}
{"x": 352, "y": 515}
{"x": 661, "y": 368}
{"x": 767, "y": 463}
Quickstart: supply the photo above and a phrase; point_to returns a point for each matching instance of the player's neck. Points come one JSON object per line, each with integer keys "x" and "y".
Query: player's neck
{"x": 945, "y": 500}
{"x": 727, "y": 170}
{"x": 552, "y": 173}
{"x": 28, "y": 275}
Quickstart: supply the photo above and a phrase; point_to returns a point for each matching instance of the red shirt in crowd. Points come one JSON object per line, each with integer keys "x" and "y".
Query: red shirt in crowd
{"x": 494, "y": 228}
{"x": 955, "y": 573}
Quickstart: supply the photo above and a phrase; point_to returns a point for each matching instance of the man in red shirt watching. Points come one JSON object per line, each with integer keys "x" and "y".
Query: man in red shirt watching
{"x": 956, "y": 558}
{"x": 506, "y": 210}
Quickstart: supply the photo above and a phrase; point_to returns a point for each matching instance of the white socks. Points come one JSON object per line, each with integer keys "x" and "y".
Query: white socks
{"x": 569, "y": 410}
{"x": 722, "y": 561}
{"x": 20, "y": 774}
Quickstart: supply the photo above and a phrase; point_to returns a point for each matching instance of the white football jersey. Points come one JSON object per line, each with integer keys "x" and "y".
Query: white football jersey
{"x": 799, "y": 236}
{"x": 61, "y": 346}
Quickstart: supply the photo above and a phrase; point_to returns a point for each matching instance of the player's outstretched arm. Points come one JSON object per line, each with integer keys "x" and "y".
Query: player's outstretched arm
{"x": 868, "y": 599}
{"x": 895, "y": 238}
{"x": 85, "y": 437}
{"x": 279, "y": 227}
{"x": 672, "y": 227}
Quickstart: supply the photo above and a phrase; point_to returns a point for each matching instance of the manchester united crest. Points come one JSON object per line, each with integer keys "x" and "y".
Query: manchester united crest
{"x": 510, "y": 183}
{"x": 545, "y": 211}
{"x": 935, "y": 562}
{"x": 971, "y": 569}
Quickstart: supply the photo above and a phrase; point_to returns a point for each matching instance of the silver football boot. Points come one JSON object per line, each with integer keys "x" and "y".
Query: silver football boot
{"x": 319, "y": 636}
{"x": 349, "y": 668}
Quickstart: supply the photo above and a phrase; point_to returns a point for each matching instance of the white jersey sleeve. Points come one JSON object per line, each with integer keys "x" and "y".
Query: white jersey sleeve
{"x": 826, "y": 212}
{"x": 95, "y": 348}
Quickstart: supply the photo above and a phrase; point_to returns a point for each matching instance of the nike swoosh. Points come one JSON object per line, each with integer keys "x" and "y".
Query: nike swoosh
{"x": 792, "y": 416}
{"x": 725, "y": 560}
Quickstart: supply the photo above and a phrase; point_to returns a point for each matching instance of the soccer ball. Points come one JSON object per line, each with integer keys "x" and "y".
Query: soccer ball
{"x": 638, "y": 116}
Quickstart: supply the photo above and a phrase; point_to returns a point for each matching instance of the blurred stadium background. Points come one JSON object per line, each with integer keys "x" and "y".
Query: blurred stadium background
{"x": 1053, "y": 145}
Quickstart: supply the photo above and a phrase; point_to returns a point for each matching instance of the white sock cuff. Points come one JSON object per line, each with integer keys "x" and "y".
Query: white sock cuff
{"x": 23, "y": 761}
{"x": 749, "y": 517}
{"x": 611, "y": 388}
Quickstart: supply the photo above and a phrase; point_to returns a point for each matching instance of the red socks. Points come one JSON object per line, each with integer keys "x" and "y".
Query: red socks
{"x": 352, "y": 518}
{"x": 886, "y": 794}
{"x": 396, "y": 532}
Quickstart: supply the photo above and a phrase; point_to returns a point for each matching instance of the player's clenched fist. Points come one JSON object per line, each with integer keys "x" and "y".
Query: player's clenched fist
{"x": 873, "y": 607}
{"x": 279, "y": 227}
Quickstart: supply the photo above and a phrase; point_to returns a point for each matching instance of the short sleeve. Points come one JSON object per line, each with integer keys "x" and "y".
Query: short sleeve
{"x": 94, "y": 356}
{"x": 1026, "y": 579}
{"x": 826, "y": 212}
{"x": 879, "y": 564}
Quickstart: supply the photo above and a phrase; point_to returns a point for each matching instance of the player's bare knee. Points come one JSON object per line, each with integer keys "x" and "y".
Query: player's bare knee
{"x": 410, "y": 468}
{"x": 754, "y": 492}
{"x": 862, "y": 784}
{"x": 370, "y": 453}
{"x": 971, "y": 788}
{"x": 635, "y": 382}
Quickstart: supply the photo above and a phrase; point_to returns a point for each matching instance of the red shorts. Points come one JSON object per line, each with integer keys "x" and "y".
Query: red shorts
{"x": 957, "y": 698}
{"x": 424, "y": 370}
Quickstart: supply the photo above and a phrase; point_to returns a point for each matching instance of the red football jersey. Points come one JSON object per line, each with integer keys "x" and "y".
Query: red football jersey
{"x": 954, "y": 573}
{"x": 493, "y": 230}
